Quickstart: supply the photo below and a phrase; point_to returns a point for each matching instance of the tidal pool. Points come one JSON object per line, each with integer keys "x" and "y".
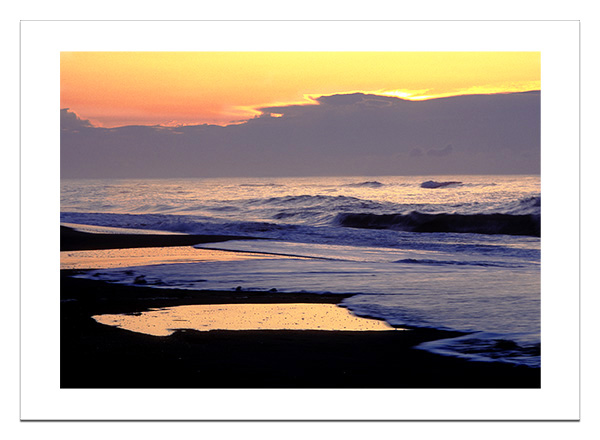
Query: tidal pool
{"x": 164, "y": 321}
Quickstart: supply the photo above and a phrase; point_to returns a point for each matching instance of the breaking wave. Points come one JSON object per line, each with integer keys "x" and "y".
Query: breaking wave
{"x": 508, "y": 224}
{"x": 527, "y": 205}
{"x": 326, "y": 203}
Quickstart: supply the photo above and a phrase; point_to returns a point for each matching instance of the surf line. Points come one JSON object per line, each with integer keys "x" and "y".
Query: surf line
{"x": 279, "y": 254}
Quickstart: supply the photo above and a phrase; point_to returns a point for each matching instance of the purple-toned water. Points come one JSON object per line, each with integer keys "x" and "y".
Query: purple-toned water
{"x": 462, "y": 256}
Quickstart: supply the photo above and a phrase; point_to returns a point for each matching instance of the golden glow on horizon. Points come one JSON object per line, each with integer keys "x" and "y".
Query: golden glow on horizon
{"x": 177, "y": 88}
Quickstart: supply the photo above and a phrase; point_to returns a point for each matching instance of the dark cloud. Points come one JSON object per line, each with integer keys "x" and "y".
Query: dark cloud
{"x": 343, "y": 134}
{"x": 69, "y": 121}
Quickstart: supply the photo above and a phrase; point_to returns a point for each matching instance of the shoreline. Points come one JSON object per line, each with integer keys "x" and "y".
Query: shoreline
{"x": 94, "y": 355}
{"x": 74, "y": 240}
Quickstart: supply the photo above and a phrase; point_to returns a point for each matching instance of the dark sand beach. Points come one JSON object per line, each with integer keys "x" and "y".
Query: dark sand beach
{"x": 74, "y": 240}
{"x": 94, "y": 355}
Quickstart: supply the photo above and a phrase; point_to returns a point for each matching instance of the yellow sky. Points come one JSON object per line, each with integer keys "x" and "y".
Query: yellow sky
{"x": 123, "y": 88}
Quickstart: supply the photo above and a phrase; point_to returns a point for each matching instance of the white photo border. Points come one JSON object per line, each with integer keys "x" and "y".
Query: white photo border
{"x": 41, "y": 396}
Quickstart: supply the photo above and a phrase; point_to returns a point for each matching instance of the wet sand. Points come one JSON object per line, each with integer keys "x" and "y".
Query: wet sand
{"x": 94, "y": 355}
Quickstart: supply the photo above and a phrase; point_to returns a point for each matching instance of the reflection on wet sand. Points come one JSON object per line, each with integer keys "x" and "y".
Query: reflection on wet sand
{"x": 163, "y": 322}
{"x": 111, "y": 258}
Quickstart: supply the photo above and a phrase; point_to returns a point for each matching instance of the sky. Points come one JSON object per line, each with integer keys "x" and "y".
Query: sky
{"x": 215, "y": 114}
{"x": 169, "y": 88}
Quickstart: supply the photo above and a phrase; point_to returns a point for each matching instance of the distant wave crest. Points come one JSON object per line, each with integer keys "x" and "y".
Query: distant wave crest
{"x": 368, "y": 184}
{"x": 303, "y": 200}
{"x": 462, "y": 223}
{"x": 260, "y": 185}
{"x": 432, "y": 184}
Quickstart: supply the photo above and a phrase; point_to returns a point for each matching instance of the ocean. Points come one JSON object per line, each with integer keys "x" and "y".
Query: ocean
{"x": 449, "y": 252}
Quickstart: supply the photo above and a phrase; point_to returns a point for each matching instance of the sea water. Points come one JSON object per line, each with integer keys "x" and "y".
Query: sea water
{"x": 448, "y": 252}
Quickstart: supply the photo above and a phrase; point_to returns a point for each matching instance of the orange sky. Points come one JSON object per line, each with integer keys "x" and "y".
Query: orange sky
{"x": 168, "y": 88}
